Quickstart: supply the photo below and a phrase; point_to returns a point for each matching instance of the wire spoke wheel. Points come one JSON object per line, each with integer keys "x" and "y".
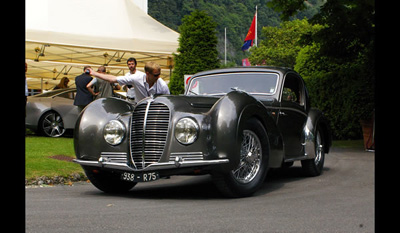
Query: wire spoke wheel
{"x": 250, "y": 158}
{"x": 251, "y": 166}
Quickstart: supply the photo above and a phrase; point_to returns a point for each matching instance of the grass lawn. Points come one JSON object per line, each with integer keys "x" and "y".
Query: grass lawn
{"x": 354, "y": 144}
{"x": 37, "y": 157}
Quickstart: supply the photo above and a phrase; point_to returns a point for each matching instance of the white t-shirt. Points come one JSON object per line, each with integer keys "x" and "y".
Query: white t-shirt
{"x": 130, "y": 91}
{"x": 142, "y": 90}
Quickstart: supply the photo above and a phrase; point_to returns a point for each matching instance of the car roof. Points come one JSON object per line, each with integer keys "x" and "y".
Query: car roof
{"x": 282, "y": 70}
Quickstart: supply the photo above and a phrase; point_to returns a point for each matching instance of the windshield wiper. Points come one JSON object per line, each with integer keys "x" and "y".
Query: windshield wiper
{"x": 194, "y": 93}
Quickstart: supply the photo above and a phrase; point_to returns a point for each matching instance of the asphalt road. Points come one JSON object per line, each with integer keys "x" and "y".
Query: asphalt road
{"x": 340, "y": 200}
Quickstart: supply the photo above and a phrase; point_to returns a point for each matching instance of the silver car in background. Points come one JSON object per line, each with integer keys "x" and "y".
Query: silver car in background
{"x": 52, "y": 113}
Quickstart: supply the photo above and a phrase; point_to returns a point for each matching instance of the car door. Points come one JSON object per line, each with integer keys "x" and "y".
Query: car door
{"x": 292, "y": 115}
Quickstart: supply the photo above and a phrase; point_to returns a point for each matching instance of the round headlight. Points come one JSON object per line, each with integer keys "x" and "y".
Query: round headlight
{"x": 186, "y": 131}
{"x": 114, "y": 132}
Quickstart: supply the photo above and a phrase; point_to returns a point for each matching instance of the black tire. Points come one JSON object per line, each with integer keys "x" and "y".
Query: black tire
{"x": 247, "y": 178}
{"x": 314, "y": 167}
{"x": 108, "y": 181}
{"x": 51, "y": 125}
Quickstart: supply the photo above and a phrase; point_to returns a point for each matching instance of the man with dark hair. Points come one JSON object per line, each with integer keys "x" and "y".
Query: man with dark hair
{"x": 83, "y": 96}
{"x": 130, "y": 90}
{"x": 131, "y": 62}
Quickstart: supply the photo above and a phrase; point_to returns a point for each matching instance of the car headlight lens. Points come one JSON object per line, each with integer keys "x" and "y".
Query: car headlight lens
{"x": 114, "y": 132}
{"x": 186, "y": 131}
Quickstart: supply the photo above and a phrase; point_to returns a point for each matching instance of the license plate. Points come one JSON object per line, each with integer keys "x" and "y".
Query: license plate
{"x": 140, "y": 177}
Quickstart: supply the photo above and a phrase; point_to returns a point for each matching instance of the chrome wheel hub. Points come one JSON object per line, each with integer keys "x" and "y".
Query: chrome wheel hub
{"x": 250, "y": 158}
{"x": 53, "y": 125}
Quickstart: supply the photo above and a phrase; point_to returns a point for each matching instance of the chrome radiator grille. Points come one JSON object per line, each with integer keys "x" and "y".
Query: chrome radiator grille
{"x": 149, "y": 133}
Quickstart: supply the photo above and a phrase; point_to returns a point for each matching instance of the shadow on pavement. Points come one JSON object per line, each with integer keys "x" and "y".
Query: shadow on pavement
{"x": 202, "y": 187}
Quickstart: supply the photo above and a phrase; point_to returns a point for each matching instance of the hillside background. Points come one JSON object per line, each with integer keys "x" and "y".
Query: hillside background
{"x": 235, "y": 15}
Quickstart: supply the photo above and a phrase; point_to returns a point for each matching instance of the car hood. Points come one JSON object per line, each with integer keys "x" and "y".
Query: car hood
{"x": 184, "y": 103}
{"x": 200, "y": 104}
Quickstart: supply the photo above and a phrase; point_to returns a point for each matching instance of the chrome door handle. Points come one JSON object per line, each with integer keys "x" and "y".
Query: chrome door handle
{"x": 282, "y": 113}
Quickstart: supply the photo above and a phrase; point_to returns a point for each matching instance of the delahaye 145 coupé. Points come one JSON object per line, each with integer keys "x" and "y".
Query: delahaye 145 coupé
{"x": 233, "y": 123}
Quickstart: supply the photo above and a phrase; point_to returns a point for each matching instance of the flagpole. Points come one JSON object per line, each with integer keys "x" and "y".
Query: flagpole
{"x": 255, "y": 41}
{"x": 225, "y": 45}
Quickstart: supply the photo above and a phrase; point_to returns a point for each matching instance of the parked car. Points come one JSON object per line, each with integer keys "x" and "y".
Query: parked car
{"x": 233, "y": 123}
{"x": 52, "y": 113}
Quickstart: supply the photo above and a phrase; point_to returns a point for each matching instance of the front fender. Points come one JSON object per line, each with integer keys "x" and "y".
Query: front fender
{"x": 229, "y": 115}
{"x": 88, "y": 134}
{"x": 224, "y": 126}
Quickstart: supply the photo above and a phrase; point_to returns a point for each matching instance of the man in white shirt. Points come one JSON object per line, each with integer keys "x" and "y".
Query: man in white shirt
{"x": 145, "y": 84}
{"x": 130, "y": 90}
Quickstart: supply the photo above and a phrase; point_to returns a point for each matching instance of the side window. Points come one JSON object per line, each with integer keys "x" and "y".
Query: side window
{"x": 293, "y": 90}
{"x": 289, "y": 95}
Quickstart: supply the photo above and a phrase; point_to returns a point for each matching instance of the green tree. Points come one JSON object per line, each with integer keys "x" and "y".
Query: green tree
{"x": 344, "y": 92}
{"x": 197, "y": 49}
{"x": 282, "y": 44}
{"x": 339, "y": 67}
{"x": 233, "y": 15}
{"x": 350, "y": 25}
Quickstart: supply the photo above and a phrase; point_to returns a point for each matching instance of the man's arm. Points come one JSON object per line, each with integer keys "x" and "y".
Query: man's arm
{"x": 89, "y": 87}
{"x": 91, "y": 91}
{"x": 107, "y": 77}
{"x": 91, "y": 83}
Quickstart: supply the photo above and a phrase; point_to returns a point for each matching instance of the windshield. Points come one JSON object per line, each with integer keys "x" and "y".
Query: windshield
{"x": 220, "y": 84}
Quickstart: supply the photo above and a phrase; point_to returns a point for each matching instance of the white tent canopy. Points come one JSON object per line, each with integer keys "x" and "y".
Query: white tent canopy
{"x": 64, "y": 35}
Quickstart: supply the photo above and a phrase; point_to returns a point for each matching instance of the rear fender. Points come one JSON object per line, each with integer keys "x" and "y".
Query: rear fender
{"x": 315, "y": 120}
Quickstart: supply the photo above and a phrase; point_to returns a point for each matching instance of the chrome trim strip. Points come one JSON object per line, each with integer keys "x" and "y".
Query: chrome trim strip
{"x": 118, "y": 157}
{"x": 87, "y": 162}
{"x": 292, "y": 109}
{"x": 130, "y": 139}
{"x": 152, "y": 167}
{"x": 309, "y": 143}
{"x": 144, "y": 132}
{"x": 186, "y": 156}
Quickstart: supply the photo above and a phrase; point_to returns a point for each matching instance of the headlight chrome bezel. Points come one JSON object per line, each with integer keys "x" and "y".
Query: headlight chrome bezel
{"x": 114, "y": 132}
{"x": 186, "y": 130}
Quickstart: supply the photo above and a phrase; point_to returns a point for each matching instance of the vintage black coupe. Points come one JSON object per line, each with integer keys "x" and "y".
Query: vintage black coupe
{"x": 233, "y": 123}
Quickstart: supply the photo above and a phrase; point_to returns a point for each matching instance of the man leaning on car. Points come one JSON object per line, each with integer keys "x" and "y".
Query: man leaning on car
{"x": 145, "y": 84}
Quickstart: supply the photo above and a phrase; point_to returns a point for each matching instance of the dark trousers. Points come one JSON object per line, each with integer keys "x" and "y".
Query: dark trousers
{"x": 81, "y": 107}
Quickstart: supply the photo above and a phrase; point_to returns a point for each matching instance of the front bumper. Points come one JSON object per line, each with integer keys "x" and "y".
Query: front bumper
{"x": 118, "y": 161}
